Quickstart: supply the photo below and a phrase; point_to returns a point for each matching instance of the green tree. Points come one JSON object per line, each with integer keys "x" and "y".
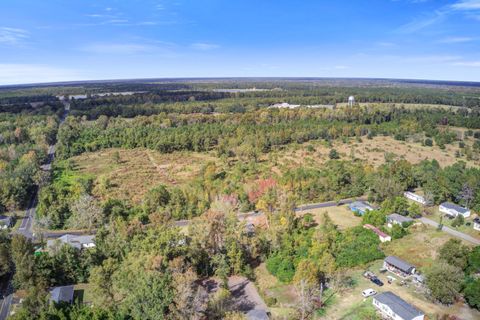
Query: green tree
{"x": 455, "y": 253}
{"x": 444, "y": 281}
{"x": 472, "y": 293}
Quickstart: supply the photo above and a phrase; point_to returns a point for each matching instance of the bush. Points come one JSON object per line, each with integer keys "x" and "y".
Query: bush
{"x": 472, "y": 293}
{"x": 333, "y": 154}
{"x": 428, "y": 142}
{"x": 458, "y": 221}
{"x": 281, "y": 267}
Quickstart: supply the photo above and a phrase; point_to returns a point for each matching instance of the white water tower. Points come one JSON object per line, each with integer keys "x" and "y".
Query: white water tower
{"x": 351, "y": 101}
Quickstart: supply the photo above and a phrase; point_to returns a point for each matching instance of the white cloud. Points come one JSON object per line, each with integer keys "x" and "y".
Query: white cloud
{"x": 118, "y": 48}
{"x": 12, "y": 73}
{"x": 12, "y": 36}
{"x": 467, "y": 63}
{"x": 204, "y": 46}
{"x": 456, "y": 40}
{"x": 466, "y": 5}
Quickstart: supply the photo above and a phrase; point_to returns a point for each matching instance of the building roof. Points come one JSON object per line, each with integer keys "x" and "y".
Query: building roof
{"x": 399, "y": 306}
{"x": 62, "y": 294}
{"x": 455, "y": 207}
{"x": 376, "y": 230}
{"x": 257, "y": 314}
{"x": 476, "y": 220}
{"x": 5, "y": 220}
{"x": 399, "y": 264}
{"x": 361, "y": 205}
{"x": 72, "y": 240}
{"x": 399, "y": 218}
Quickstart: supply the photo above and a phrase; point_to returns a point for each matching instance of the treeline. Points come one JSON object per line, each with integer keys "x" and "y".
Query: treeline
{"x": 24, "y": 140}
{"x": 249, "y": 134}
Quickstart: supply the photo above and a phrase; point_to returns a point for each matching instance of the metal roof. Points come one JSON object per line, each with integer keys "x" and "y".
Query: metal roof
{"x": 399, "y": 264}
{"x": 399, "y": 218}
{"x": 399, "y": 306}
{"x": 257, "y": 314}
{"x": 62, "y": 294}
{"x": 455, "y": 207}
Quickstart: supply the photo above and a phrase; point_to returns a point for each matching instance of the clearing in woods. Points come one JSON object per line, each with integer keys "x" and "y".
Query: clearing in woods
{"x": 135, "y": 171}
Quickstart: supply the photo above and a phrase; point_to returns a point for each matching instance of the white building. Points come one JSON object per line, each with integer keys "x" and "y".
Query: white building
{"x": 454, "y": 210}
{"x": 396, "y": 218}
{"x": 415, "y": 197}
{"x": 476, "y": 223}
{"x": 78, "y": 242}
{"x": 393, "y": 307}
{"x": 351, "y": 101}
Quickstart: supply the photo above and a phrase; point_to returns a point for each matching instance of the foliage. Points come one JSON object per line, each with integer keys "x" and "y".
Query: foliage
{"x": 444, "y": 281}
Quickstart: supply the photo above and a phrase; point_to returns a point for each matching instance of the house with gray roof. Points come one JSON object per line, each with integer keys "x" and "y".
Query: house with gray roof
{"x": 398, "y": 266}
{"x": 396, "y": 218}
{"x": 78, "y": 242}
{"x": 5, "y": 222}
{"x": 454, "y": 210}
{"x": 360, "y": 207}
{"x": 392, "y": 306}
{"x": 62, "y": 294}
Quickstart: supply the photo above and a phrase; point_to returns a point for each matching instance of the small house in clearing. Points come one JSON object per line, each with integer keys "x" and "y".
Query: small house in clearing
{"x": 5, "y": 222}
{"x": 415, "y": 197}
{"x": 454, "y": 210}
{"x": 62, "y": 294}
{"x": 396, "y": 218}
{"x": 381, "y": 235}
{"x": 398, "y": 266}
{"x": 392, "y": 306}
{"x": 360, "y": 207}
{"x": 78, "y": 242}
{"x": 476, "y": 223}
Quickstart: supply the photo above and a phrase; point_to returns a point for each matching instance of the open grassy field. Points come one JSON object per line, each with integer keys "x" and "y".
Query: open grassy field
{"x": 136, "y": 171}
{"x": 342, "y": 216}
{"x": 372, "y": 151}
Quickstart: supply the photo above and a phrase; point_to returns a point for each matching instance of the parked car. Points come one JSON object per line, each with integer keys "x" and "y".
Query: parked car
{"x": 377, "y": 281}
{"x": 368, "y": 293}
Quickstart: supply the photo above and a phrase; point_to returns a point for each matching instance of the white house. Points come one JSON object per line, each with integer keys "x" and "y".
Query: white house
{"x": 476, "y": 223}
{"x": 396, "y": 218}
{"x": 393, "y": 307}
{"x": 79, "y": 242}
{"x": 415, "y": 197}
{"x": 454, "y": 210}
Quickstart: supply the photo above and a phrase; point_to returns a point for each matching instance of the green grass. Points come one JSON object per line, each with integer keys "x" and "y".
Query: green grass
{"x": 362, "y": 311}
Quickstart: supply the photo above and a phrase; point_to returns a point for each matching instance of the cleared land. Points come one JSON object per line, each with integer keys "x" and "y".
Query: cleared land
{"x": 134, "y": 172}
{"x": 342, "y": 216}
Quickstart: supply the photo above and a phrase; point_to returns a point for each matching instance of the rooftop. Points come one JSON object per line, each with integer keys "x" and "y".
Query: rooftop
{"x": 399, "y": 263}
{"x": 398, "y": 305}
{"x": 376, "y": 230}
{"x": 399, "y": 218}
{"x": 455, "y": 207}
{"x": 62, "y": 294}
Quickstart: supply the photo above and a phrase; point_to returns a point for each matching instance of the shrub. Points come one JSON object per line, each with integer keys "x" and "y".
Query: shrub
{"x": 428, "y": 142}
{"x": 333, "y": 154}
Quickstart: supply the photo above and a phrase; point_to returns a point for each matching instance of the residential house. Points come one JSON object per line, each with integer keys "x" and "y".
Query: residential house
{"x": 78, "y": 242}
{"x": 476, "y": 223}
{"x": 454, "y": 210}
{"x": 360, "y": 207}
{"x": 415, "y": 197}
{"x": 62, "y": 294}
{"x": 396, "y": 218}
{"x": 5, "y": 222}
{"x": 381, "y": 235}
{"x": 398, "y": 266}
{"x": 393, "y": 307}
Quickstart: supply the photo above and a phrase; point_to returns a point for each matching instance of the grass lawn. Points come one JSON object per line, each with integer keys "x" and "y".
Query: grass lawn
{"x": 342, "y": 216}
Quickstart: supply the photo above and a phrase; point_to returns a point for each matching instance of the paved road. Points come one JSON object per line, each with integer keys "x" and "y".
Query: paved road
{"x": 450, "y": 231}
{"x": 27, "y": 221}
{"x": 243, "y": 216}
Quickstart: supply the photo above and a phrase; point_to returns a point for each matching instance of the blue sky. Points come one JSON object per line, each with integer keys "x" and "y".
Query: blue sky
{"x": 55, "y": 40}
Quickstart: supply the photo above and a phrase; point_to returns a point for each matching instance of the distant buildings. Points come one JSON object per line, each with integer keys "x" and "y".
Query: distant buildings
{"x": 415, "y": 197}
{"x": 360, "y": 207}
{"x": 351, "y": 101}
{"x": 6, "y": 222}
{"x": 454, "y": 210}
{"x": 398, "y": 266}
{"x": 285, "y": 105}
{"x": 62, "y": 294}
{"x": 396, "y": 218}
{"x": 393, "y": 307}
{"x": 78, "y": 242}
{"x": 381, "y": 235}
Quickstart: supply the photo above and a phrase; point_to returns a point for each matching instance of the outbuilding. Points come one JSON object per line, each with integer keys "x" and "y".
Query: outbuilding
{"x": 62, "y": 294}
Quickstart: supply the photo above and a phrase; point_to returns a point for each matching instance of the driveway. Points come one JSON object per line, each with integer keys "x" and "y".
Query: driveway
{"x": 245, "y": 295}
{"x": 450, "y": 231}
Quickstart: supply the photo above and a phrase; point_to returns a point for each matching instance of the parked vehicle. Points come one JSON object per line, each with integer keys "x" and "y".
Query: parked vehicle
{"x": 368, "y": 293}
{"x": 377, "y": 281}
